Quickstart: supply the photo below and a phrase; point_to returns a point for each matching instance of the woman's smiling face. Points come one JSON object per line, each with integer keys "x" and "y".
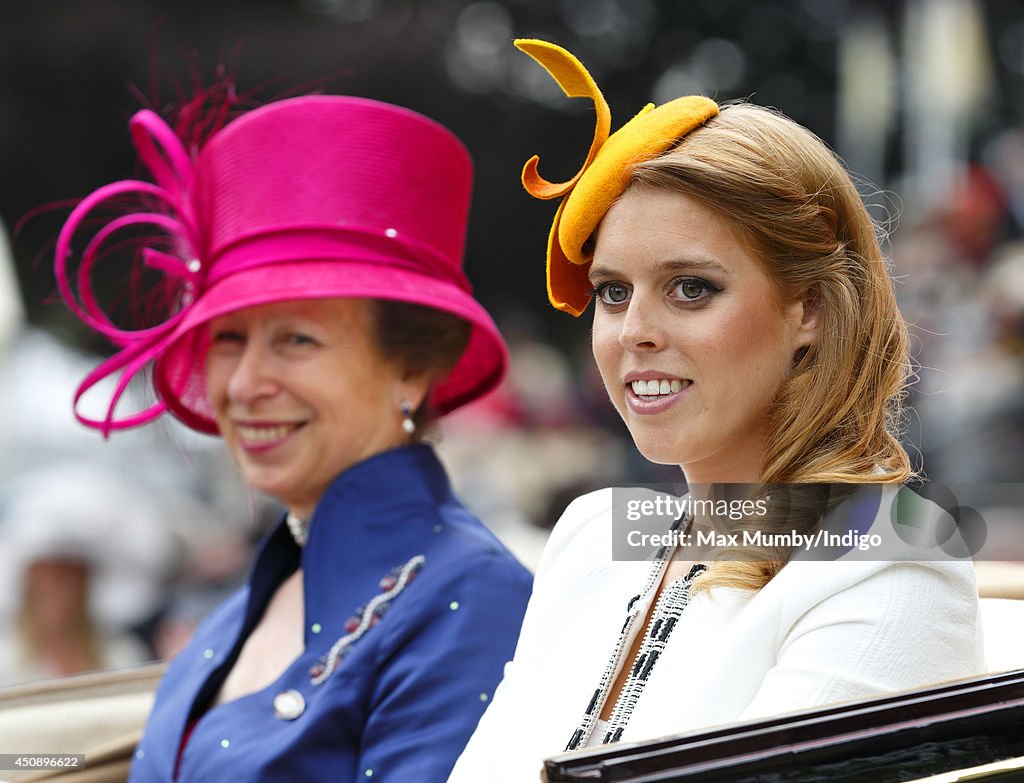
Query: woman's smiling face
{"x": 301, "y": 393}
{"x": 690, "y": 336}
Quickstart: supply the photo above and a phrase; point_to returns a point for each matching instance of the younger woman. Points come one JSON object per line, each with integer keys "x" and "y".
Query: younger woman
{"x": 746, "y": 330}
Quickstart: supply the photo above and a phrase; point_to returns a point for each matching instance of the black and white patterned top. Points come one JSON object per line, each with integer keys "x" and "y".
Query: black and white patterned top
{"x": 663, "y": 619}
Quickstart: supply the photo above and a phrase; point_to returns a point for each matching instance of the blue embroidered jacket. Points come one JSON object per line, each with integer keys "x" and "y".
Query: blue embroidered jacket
{"x": 414, "y": 671}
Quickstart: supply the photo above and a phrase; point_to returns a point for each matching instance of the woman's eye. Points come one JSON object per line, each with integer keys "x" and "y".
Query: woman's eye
{"x": 612, "y": 293}
{"x": 690, "y": 289}
{"x": 298, "y": 338}
{"x": 226, "y": 336}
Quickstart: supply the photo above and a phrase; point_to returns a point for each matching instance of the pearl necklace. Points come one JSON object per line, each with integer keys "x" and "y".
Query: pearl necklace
{"x": 299, "y": 528}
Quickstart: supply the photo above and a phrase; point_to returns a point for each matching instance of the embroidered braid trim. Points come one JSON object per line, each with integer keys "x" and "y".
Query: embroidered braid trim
{"x": 660, "y": 562}
{"x": 666, "y": 614}
{"x": 378, "y": 602}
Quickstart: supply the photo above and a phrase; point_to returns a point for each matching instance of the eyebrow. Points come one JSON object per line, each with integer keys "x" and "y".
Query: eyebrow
{"x": 672, "y": 265}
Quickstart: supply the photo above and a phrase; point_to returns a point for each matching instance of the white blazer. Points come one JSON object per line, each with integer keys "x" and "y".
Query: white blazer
{"x": 819, "y": 632}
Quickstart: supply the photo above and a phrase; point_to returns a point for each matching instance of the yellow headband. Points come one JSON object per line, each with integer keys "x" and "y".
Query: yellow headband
{"x": 605, "y": 174}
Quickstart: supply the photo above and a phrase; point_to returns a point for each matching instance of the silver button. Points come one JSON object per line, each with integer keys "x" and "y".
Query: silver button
{"x": 288, "y": 705}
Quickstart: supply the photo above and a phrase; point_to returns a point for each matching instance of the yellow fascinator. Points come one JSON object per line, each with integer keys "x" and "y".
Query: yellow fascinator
{"x": 605, "y": 174}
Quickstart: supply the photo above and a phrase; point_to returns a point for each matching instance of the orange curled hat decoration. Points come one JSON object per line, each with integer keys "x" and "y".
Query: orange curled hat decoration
{"x": 605, "y": 174}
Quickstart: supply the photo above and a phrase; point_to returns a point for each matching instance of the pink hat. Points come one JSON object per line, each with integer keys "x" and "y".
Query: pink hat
{"x": 306, "y": 198}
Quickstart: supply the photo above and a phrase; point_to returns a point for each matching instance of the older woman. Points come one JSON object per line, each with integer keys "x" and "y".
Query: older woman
{"x": 746, "y": 330}
{"x": 315, "y": 315}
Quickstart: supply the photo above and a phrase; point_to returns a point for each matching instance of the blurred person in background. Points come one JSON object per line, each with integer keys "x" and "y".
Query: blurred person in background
{"x": 746, "y": 331}
{"x": 315, "y": 315}
{"x": 84, "y": 555}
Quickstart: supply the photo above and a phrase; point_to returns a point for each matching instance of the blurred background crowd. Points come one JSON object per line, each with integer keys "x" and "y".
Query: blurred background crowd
{"x": 111, "y": 551}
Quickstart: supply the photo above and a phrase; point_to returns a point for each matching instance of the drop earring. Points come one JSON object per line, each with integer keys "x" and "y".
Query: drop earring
{"x": 407, "y": 423}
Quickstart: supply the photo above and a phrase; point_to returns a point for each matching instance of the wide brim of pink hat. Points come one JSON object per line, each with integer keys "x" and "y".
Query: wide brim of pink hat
{"x": 179, "y": 374}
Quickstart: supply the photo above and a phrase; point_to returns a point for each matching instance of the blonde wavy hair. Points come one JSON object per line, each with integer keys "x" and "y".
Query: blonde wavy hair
{"x": 837, "y": 416}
